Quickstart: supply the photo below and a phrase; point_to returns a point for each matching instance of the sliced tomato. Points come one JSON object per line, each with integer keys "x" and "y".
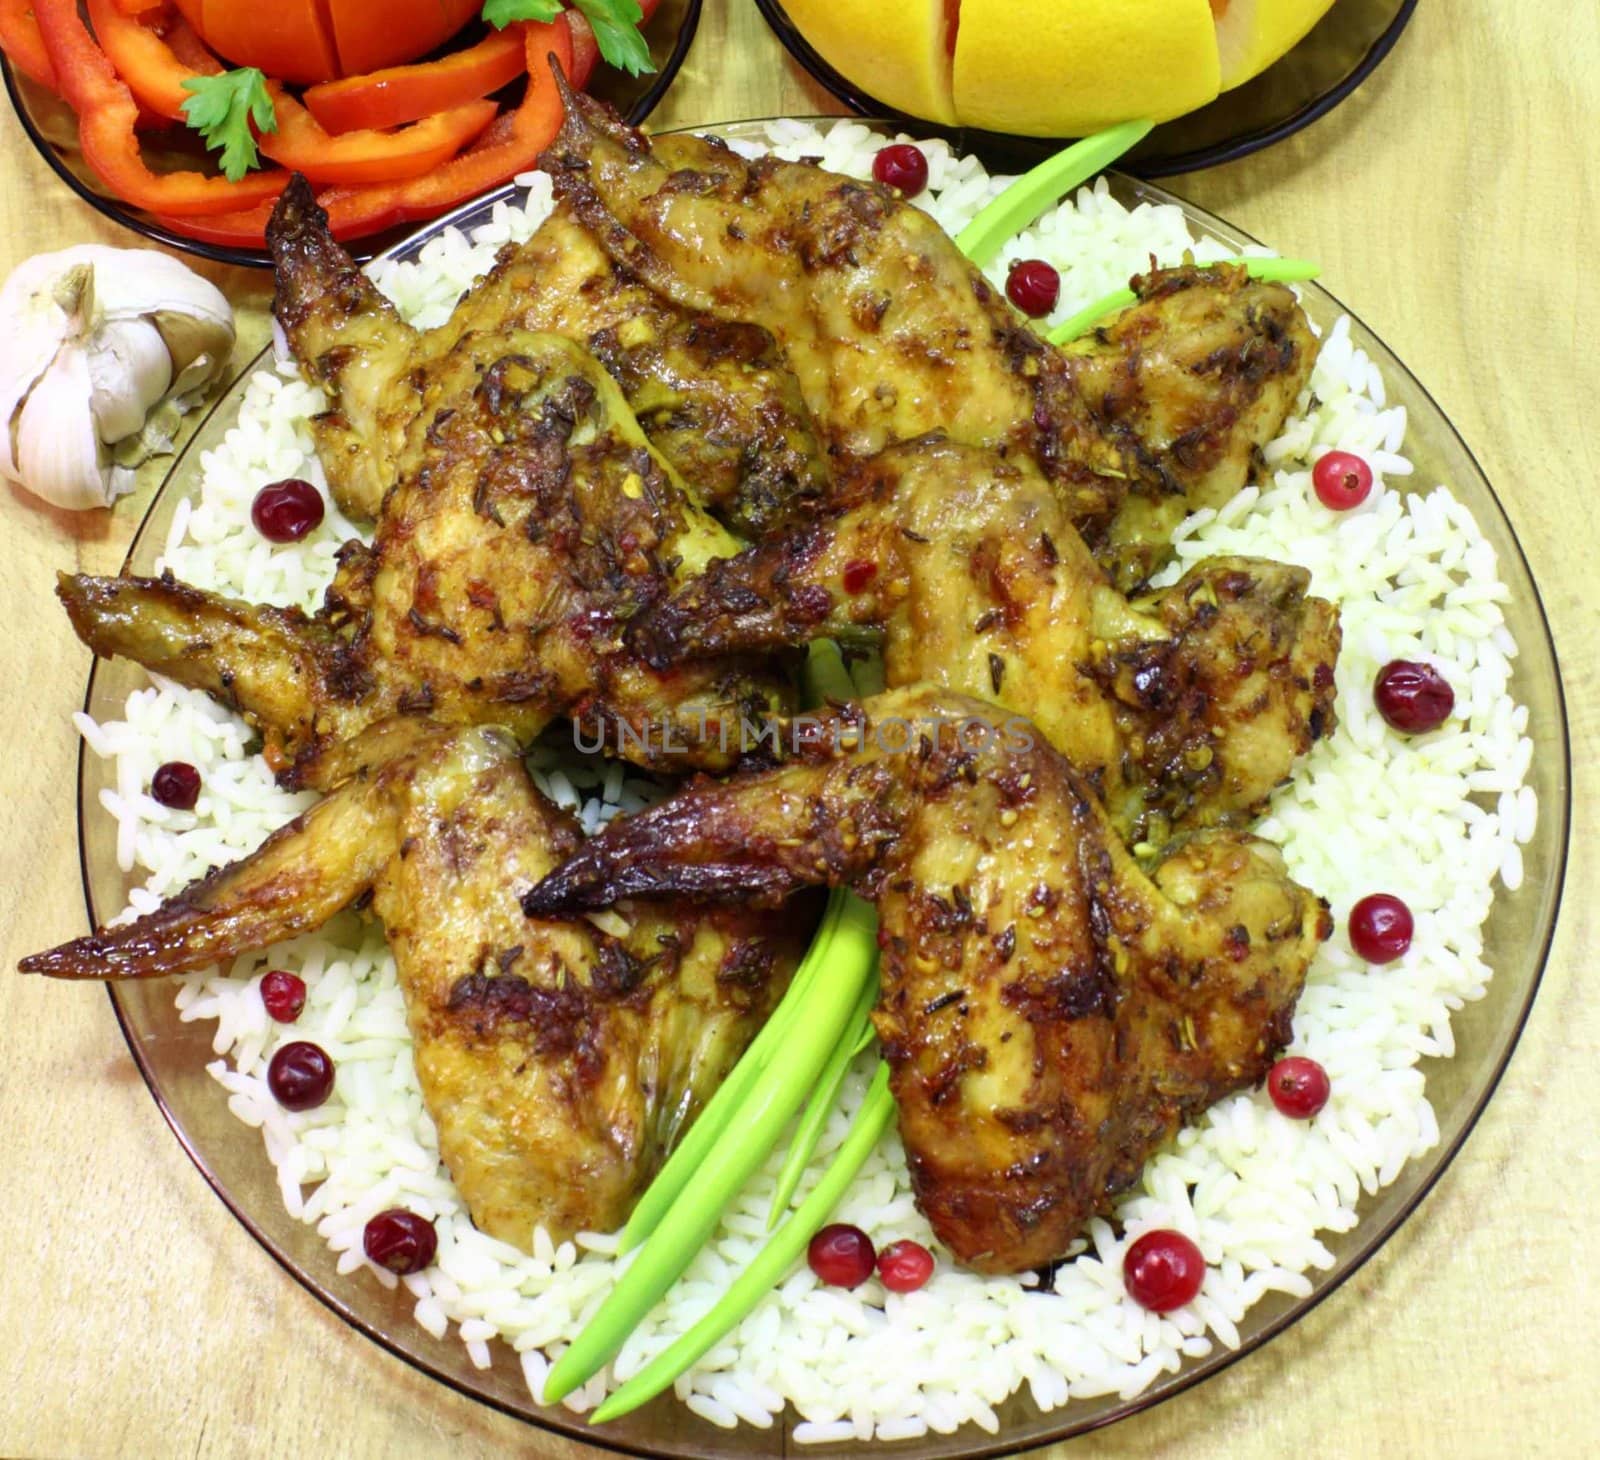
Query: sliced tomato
{"x": 368, "y": 35}
{"x": 353, "y": 158}
{"x": 284, "y": 38}
{"x": 649, "y": 7}
{"x": 403, "y": 94}
{"x": 151, "y": 69}
{"x": 107, "y": 113}
{"x": 21, "y": 41}
{"x": 585, "y": 48}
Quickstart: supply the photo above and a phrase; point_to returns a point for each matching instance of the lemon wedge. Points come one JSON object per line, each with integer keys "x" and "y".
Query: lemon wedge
{"x": 1052, "y": 68}
{"x": 894, "y": 50}
{"x": 1252, "y": 34}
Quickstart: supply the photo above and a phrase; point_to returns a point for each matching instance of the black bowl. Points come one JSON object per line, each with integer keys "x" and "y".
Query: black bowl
{"x": 53, "y": 129}
{"x": 1342, "y": 50}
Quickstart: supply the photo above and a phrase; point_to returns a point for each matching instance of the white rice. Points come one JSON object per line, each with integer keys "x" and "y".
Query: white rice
{"x": 1436, "y": 819}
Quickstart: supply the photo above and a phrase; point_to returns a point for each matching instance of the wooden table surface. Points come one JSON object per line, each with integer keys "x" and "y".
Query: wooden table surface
{"x": 1452, "y": 203}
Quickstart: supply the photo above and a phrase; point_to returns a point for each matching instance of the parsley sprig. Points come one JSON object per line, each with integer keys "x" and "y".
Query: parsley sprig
{"x": 222, "y": 109}
{"x": 615, "y": 24}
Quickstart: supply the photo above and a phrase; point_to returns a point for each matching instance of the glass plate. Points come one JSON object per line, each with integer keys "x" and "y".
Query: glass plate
{"x": 1341, "y": 51}
{"x": 172, "y": 1055}
{"x": 53, "y": 129}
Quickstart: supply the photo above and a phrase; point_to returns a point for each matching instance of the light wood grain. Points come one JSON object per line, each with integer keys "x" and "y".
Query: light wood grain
{"x": 1453, "y": 204}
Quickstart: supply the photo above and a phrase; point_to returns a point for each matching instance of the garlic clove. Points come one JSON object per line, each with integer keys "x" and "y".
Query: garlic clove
{"x": 102, "y": 346}
{"x": 35, "y": 326}
{"x": 129, "y": 372}
{"x": 192, "y": 314}
{"x": 59, "y": 453}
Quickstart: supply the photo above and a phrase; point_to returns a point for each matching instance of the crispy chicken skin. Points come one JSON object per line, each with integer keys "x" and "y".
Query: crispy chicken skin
{"x": 1183, "y": 709}
{"x": 1194, "y": 379}
{"x": 888, "y": 330}
{"x": 715, "y": 398}
{"x": 1050, "y": 1012}
{"x": 892, "y": 333}
{"x": 531, "y": 520}
{"x": 559, "y": 1063}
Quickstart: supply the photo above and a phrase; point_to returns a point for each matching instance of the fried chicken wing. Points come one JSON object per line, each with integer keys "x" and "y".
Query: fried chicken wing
{"x": 1051, "y": 1012}
{"x": 892, "y": 333}
{"x": 1185, "y": 708}
{"x": 1194, "y": 379}
{"x": 715, "y": 398}
{"x": 560, "y": 1063}
{"x": 889, "y": 331}
{"x": 533, "y": 522}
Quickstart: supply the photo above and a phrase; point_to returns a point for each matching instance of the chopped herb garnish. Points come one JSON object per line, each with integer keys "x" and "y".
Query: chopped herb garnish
{"x": 221, "y": 111}
{"x": 615, "y": 24}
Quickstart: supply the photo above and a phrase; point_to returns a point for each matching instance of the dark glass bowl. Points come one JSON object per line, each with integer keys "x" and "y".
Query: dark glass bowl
{"x": 172, "y": 1055}
{"x": 53, "y": 129}
{"x": 1342, "y": 50}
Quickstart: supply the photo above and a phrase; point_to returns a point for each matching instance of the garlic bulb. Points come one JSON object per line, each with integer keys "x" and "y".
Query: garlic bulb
{"x": 96, "y": 340}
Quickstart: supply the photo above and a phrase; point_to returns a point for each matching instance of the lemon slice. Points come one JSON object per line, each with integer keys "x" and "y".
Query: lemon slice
{"x": 1052, "y": 68}
{"x": 894, "y": 50}
{"x": 1252, "y": 34}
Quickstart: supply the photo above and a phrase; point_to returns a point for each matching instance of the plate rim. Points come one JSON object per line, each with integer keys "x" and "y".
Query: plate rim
{"x": 574, "y": 1427}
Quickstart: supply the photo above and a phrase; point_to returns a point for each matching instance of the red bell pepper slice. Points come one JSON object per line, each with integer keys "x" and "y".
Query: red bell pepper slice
{"x": 510, "y": 146}
{"x": 106, "y": 116}
{"x": 585, "y": 48}
{"x": 21, "y": 41}
{"x": 501, "y": 154}
{"x": 149, "y": 66}
{"x": 352, "y": 213}
{"x": 187, "y": 46}
{"x": 301, "y": 145}
{"x": 403, "y": 94}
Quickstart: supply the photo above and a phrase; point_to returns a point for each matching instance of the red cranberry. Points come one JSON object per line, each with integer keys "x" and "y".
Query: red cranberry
{"x": 905, "y": 1266}
{"x": 1380, "y": 927}
{"x": 1298, "y": 1086}
{"x": 1163, "y": 1270}
{"x": 1413, "y": 697}
{"x": 300, "y": 1076}
{"x": 841, "y": 1255}
{"x": 901, "y": 166}
{"x": 859, "y": 572}
{"x": 1342, "y": 480}
{"x": 286, "y": 511}
{"x": 284, "y": 994}
{"x": 176, "y": 784}
{"x": 400, "y": 1240}
{"x": 1033, "y": 286}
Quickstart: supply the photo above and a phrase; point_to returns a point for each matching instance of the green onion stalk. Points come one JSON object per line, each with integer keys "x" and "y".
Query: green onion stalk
{"x": 1282, "y": 271}
{"x": 803, "y": 1055}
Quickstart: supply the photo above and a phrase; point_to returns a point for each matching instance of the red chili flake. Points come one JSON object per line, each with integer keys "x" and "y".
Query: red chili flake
{"x": 859, "y": 572}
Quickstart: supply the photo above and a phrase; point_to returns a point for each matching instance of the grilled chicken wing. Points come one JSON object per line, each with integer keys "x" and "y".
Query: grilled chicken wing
{"x": 1194, "y": 379}
{"x": 893, "y": 334}
{"x": 1050, "y": 1012}
{"x": 534, "y": 520}
{"x": 559, "y": 1063}
{"x": 1183, "y": 709}
{"x": 715, "y": 398}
